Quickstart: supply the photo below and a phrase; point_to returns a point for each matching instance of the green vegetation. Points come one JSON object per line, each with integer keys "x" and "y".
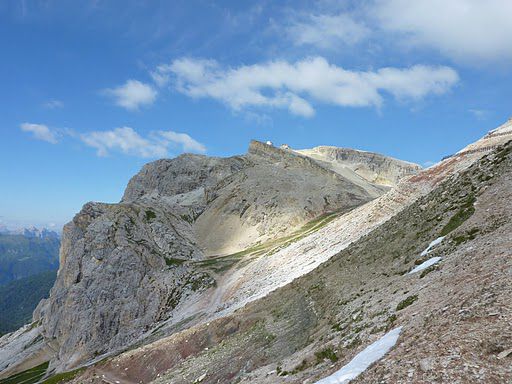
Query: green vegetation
{"x": 201, "y": 281}
{"x": 280, "y": 371}
{"x": 406, "y": 302}
{"x": 219, "y": 264}
{"x": 63, "y": 376}
{"x": 465, "y": 211}
{"x": 425, "y": 272}
{"x": 338, "y": 327}
{"x": 171, "y": 261}
{"x": 302, "y": 366}
{"x": 355, "y": 342}
{"x": 19, "y": 298}
{"x": 29, "y": 376}
{"x": 150, "y": 215}
{"x": 326, "y": 353}
{"x": 187, "y": 218}
{"x": 469, "y": 235}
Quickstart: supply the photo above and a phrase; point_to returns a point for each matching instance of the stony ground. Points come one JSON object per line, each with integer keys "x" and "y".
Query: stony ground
{"x": 456, "y": 316}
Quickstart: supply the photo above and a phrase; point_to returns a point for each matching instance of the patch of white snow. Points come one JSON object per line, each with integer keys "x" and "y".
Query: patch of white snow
{"x": 426, "y": 264}
{"x": 432, "y": 245}
{"x": 363, "y": 359}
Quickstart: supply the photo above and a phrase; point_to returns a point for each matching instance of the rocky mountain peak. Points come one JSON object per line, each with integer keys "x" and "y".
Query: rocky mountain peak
{"x": 127, "y": 267}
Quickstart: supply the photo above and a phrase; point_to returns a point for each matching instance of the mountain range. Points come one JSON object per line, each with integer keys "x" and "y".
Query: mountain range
{"x": 284, "y": 265}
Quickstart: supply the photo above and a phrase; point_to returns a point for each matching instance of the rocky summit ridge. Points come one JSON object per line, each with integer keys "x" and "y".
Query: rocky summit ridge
{"x": 220, "y": 269}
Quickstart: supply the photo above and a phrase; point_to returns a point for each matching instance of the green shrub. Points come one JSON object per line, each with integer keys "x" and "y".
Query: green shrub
{"x": 302, "y": 366}
{"x": 150, "y": 215}
{"x": 464, "y": 213}
{"x": 326, "y": 353}
{"x": 406, "y": 302}
{"x": 425, "y": 272}
{"x": 170, "y": 261}
{"x": 469, "y": 235}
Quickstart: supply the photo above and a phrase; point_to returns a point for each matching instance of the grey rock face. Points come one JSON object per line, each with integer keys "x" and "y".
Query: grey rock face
{"x": 120, "y": 272}
{"x": 183, "y": 174}
{"x": 125, "y": 267}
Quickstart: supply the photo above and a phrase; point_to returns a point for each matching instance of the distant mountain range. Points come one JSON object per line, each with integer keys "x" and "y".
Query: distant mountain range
{"x": 29, "y": 259}
{"x": 30, "y": 232}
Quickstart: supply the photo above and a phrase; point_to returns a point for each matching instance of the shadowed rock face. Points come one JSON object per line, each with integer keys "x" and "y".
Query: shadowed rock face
{"x": 124, "y": 268}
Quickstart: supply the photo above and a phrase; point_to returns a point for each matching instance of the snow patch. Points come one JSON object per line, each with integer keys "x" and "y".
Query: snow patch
{"x": 426, "y": 264}
{"x": 364, "y": 359}
{"x": 432, "y": 245}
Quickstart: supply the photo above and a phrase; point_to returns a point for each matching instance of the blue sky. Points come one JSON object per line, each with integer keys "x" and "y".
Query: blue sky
{"x": 92, "y": 90}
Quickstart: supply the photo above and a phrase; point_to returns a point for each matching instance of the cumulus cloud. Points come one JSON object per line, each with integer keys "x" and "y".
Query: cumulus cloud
{"x": 133, "y": 94}
{"x": 295, "y": 86}
{"x": 186, "y": 142}
{"x": 327, "y": 31}
{"x": 468, "y": 30}
{"x": 40, "y": 132}
{"x": 123, "y": 139}
{"x": 128, "y": 141}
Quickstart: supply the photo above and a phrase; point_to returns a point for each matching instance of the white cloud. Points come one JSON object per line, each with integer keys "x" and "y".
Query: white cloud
{"x": 40, "y": 132}
{"x": 128, "y": 141}
{"x": 133, "y": 94}
{"x": 295, "y": 86}
{"x": 187, "y": 143}
{"x": 161, "y": 75}
{"x": 327, "y": 31}
{"x": 467, "y": 30}
{"x": 53, "y": 104}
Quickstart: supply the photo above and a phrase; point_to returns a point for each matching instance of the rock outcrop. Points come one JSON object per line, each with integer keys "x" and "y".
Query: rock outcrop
{"x": 121, "y": 271}
{"x": 234, "y": 203}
